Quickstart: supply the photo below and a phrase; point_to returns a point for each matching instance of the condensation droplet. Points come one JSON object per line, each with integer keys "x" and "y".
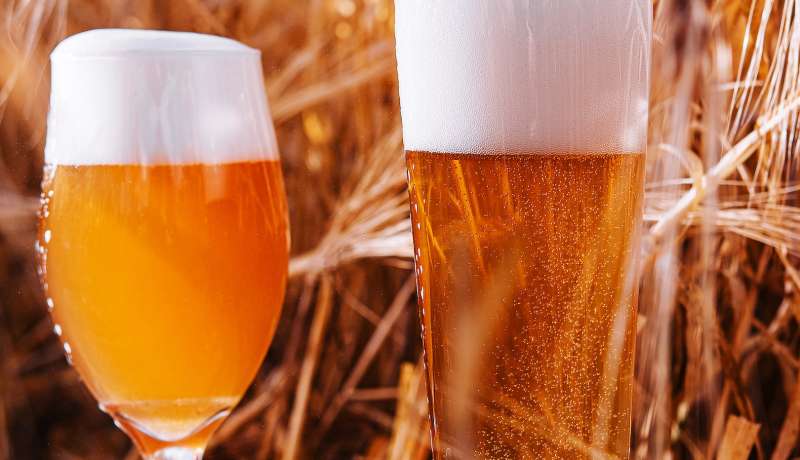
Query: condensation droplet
{"x": 68, "y": 353}
{"x": 57, "y": 329}
{"x": 47, "y": 235}
{"x": 50, "y": 304}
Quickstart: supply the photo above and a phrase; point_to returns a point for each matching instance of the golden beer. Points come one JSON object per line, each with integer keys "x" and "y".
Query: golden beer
{"x": 527, "y": 293}
{"x": 165, "y": 283}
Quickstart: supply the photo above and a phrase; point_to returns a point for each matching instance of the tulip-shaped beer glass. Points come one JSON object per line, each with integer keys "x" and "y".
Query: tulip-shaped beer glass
{"x": 524, "y": 123}
{"x": 163, "y": 241}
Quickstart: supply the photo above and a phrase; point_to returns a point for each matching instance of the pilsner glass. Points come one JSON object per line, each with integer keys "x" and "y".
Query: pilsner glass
{"x": 163, "y": 244}
{"x": 524, "y": 124}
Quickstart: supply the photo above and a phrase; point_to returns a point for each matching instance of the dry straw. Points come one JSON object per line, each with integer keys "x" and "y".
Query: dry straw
{"x": 718, "y": 340}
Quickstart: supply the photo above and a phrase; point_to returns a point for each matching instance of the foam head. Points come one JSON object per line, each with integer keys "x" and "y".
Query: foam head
{"x": 153, "y": 97}
{"x": 524, "y": 75}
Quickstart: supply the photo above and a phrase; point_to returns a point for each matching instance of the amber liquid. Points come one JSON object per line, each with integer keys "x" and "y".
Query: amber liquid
{"x": 165, "y": 284}
{"x": 527, "y": 294}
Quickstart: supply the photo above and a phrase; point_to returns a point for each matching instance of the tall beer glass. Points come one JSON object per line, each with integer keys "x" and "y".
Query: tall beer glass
{"x": 524, "y": 125}
{"x": 163, "y": 242}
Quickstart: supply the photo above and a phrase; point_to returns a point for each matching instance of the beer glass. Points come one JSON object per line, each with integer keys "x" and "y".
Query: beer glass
{"x": 524, "y": 124}
{"x": 163, "y": 244}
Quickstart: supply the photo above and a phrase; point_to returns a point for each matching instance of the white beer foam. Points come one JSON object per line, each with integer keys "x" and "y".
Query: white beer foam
{"x": 154, "y": 97}
{"x": 524, "y": 75}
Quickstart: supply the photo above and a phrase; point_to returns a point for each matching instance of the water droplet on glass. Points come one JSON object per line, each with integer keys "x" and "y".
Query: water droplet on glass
{"x": 50, "y": 304}
{"x": 57, "y": 329}
{"x": 68, "y": 353}
{"x": 47, "y": 235}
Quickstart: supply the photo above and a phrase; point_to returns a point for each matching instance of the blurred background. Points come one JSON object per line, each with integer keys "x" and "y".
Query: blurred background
{"x": 718, "y": 338}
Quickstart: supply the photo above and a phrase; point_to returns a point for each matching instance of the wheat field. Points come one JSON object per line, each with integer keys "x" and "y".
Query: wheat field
{"x": 718, "y": 370}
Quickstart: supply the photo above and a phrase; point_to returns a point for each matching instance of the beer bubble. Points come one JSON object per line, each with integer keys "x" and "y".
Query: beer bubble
{"x": 156, "y": 97}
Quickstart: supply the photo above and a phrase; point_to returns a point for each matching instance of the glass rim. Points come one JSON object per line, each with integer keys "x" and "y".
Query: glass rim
{"x": 134, "y": 55}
